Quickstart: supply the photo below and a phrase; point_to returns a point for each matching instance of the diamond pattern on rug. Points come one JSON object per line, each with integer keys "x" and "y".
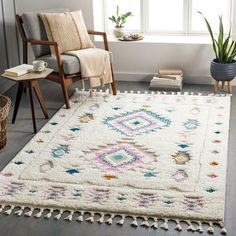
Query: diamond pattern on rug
{"x": 137, "y": 122}
{"x": 119, "y": 157}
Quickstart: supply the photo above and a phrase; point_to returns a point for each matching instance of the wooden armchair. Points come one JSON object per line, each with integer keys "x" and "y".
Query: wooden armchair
{"x": 66, "y": 67}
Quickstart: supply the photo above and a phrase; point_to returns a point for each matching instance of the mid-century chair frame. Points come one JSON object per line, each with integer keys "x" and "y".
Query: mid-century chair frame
{"x": 61, "y": 78}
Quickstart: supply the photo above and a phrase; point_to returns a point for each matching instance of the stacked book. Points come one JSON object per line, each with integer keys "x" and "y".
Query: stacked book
{"x": 19, "y": 70}
{"x": 167, "y": 79}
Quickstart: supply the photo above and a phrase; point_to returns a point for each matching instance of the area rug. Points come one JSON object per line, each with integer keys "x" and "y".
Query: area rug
{"x": 149, "y": 157}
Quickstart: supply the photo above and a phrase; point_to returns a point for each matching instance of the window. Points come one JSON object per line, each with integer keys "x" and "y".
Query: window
{"x": 164, "y": 16}
{"x": 132, "y": 5}
{"x": 211, "y": 9}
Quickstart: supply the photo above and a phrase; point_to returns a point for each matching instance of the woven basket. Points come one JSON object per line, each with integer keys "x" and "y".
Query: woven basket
{"x": 5, "y": 104}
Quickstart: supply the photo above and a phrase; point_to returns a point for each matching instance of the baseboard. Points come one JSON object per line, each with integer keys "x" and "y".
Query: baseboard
{"x": 145, "y": 77}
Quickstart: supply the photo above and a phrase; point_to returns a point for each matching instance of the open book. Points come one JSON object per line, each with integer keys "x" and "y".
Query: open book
{"x": 19, "y": 70}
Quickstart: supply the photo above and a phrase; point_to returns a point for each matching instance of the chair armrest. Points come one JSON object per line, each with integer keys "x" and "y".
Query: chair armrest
{"x": 96, "y": 32}
{"x": 49, "y": 43}
{"x": 103, "y": 34}
{"x": 41, "y": 42}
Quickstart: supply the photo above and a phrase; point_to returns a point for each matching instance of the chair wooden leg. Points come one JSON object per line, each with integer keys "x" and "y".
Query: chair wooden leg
{"x": 223, "y": 84}
{"x": 32, "y": 106}
{"x": 82, "y": 84}
{"x": 113, "y": 85}
{"x": 18, "y": 99}
{"x": 39, "y": 95}
{"x": 229, "y": 87}
{"x": 90, "y": 88}
{"x": 65, "y": 92}
{"x": 216, "y": 86}
{"x": 110, "y": 89}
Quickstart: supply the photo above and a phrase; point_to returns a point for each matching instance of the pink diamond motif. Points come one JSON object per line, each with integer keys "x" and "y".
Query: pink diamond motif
{"x": 119, "y": 157}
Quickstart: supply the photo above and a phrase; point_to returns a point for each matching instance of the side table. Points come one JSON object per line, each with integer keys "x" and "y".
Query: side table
{"x": 30, "y": 81}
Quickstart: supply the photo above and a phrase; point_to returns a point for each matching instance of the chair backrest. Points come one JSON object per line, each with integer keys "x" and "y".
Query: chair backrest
{"x": 34, "y": 29}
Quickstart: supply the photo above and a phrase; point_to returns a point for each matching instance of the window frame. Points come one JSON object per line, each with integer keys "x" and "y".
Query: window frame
{"x": 187, "y": 20}
{"x": 229, "y": 19}
{"x": 105, "y": 18}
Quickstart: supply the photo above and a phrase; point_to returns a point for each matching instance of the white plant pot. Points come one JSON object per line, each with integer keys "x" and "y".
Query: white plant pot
{"x": 118, "y": 32}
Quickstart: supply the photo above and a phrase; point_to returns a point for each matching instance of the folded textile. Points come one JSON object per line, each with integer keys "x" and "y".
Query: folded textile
{"x": 95, "y": 65}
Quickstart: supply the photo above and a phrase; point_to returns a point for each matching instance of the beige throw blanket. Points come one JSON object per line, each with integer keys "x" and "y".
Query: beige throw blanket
{"x": 69, "y": 31}
{"x": 95, "y": 65}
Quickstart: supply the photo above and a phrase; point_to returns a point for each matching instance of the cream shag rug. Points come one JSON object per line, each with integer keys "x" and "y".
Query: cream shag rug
{"x": 151, "y": 156}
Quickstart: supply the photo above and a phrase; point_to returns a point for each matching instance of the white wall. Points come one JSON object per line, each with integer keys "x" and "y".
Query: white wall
{"x": 138, "y": 60}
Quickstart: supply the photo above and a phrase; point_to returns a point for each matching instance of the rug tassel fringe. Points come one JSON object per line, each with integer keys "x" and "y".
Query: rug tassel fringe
{"x": 81, "y": 217}
{"x": 121, "y": 222}
{"x": 154, "y": 225}
{"x": 49, "y": 214}
{"x": 101, "y": 219}
{"x": 145, "y": 223}
{"x": 154, "y": 92}
{"x": 58, "y": 216}
{"x": 19, "y": 212}
{"x": 2, "y": 207}
{"x": 29, "y": 213}
{"x": 110, "y": 220}
{"x": 190, "y": 226}
{"x": 223, "y": 229}
{"x": 39, "y": 214}
{"x": 210, "y": 230}
{"x": 9, "y": 211}
{"x": 199, "y": 228}
{"x": 70, "y": 216}
{"x": 178, "y": 226}
{"x": 91, "y": 218}
{"x": 165, "y": 225}
{"x": 134, "y": 222}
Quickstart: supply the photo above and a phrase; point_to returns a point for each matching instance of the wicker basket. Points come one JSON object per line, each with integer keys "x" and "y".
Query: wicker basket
{"x": 5, "y": 104}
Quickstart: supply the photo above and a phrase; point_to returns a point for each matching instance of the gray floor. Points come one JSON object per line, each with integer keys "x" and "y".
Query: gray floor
{"x": 21, "y": 132}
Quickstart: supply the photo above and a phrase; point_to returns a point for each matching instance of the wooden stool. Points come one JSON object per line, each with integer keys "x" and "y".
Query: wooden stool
{"x": 216, "y": 86}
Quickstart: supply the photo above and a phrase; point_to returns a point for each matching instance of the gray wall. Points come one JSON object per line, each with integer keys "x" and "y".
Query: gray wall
{"x": 9, "y": 55}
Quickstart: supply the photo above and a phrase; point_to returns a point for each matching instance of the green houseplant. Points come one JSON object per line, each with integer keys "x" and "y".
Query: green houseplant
{"x": 119, "y": 20}
{"x": 223, "y": 67}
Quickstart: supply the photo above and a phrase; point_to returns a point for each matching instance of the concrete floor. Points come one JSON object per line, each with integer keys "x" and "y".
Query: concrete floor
{"x": 21, "y": 132}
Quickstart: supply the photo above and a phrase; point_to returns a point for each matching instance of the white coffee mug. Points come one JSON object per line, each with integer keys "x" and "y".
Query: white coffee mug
{"x": 39, "y": 66}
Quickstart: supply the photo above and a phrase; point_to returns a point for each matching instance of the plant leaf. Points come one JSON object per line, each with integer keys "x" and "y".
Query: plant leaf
{"x": 221, "y": 40}
{"x": 117, "y": 10}
{"x": 211, "y": 34}
{"x": 230, "y": 51}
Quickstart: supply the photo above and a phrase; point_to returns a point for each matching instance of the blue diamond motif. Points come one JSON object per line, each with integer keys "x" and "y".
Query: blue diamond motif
{"x": 137, "y": 122}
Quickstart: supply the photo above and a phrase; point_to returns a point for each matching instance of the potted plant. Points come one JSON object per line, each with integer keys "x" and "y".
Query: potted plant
{"x": 223, "y": 67}
{"x": 119, "y": 20}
